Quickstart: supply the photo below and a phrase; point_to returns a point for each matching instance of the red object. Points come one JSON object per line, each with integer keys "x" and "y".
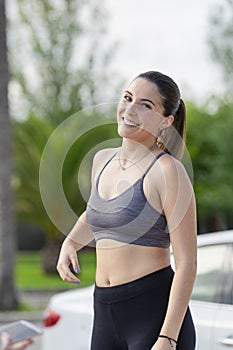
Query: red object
{"x": 51, "y": 318}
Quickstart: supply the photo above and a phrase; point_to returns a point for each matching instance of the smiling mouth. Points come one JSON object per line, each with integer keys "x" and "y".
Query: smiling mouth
{"x": 129, "y": 122}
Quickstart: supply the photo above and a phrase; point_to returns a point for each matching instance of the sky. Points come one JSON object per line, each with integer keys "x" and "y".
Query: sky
{"x": 168, "y": 36}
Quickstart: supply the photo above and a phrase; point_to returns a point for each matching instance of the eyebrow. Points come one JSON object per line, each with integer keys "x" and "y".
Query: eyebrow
{"x": 142, "y": 99}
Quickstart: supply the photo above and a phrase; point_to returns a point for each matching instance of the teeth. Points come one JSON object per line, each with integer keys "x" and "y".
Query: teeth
{"x": 129, "y": 122}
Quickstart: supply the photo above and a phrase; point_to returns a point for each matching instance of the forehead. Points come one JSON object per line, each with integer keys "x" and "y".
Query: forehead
{"x": 142, "y": 88}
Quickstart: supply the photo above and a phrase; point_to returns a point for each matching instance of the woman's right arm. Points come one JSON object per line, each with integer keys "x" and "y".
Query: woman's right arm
{"x": 79, "y": 236}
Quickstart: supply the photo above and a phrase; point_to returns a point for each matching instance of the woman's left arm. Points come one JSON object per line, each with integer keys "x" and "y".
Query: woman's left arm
{"x": 179, "y": 206}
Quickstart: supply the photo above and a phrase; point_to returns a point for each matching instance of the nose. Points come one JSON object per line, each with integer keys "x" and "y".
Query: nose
{"x": 131, "y": 109}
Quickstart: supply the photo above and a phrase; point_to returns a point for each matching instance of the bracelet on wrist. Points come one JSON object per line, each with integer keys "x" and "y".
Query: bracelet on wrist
{"x": 169, "y": 339}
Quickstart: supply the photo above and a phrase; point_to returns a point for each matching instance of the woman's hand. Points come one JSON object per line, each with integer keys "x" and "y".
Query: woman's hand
{"x": 7, "y": 343}
{"x": 67, "y": 257}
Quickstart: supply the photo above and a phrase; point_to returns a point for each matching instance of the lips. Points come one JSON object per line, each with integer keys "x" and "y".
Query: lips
{"x": 129, "y": 122}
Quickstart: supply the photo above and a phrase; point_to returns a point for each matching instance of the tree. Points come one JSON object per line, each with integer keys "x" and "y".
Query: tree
{"x": 59, "y": 60}
{"x": 221, "y": 38}
{"x": 8, "y": 298}
{"x": 211, "y": 154}
{"x": 28, "y": 149}
{"x": 211, "y": 151}
{"x": 59, "y": 56}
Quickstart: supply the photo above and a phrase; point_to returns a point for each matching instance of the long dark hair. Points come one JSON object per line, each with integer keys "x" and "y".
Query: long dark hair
{"x": 171, "y": 139}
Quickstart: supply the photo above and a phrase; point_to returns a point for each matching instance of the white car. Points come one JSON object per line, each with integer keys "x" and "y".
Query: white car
{"x": 68, "y": 318}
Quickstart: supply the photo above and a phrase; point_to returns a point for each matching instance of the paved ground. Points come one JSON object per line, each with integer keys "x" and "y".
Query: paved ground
{"x": 38, "y": 300}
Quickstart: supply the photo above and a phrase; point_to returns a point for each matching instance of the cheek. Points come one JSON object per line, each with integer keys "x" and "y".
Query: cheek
{"x": 151, "y": 124}
{"x": 120, "y": 109}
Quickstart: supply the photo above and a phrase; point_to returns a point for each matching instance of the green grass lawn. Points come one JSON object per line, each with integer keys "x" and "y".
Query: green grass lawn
{"x": 30, "y": 276}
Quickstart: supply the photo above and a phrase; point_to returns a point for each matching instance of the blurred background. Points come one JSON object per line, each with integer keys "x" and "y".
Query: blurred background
{"x": 61, "y": 57}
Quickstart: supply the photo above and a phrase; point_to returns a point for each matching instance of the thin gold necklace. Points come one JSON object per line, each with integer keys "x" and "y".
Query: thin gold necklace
{"x": 133, "y": 163}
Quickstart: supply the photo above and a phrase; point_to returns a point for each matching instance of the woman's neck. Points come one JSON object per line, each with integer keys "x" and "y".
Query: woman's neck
{"x": 134, "y": 150}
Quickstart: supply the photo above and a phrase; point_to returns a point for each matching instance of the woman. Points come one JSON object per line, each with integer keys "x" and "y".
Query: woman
{"x": 141, "y": 201}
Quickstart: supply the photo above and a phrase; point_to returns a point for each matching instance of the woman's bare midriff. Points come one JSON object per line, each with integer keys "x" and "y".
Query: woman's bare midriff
{"x": 119, "y": 263}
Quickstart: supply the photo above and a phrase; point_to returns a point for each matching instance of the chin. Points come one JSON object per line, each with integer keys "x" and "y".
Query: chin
{"x": 128, "y": 134}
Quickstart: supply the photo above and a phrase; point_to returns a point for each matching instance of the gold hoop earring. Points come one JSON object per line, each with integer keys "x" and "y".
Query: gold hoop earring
{"x": 159, "y": 140}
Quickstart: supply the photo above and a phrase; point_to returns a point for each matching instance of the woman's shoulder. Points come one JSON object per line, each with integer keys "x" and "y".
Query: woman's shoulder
{"x": 104, "y": 155}
{"x": 172, "y": 169}
{"x": 169, "y": 167}
{"x": 101, "y": 157}
{"x": 167, "y": 162}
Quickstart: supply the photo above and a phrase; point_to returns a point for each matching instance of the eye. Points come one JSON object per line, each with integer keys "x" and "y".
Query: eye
{"x": 127, "y": 98}
{"x": 146, "y": 105}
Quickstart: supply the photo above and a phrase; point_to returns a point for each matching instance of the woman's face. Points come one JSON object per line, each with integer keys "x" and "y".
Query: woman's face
{"x": 140, "y": 111}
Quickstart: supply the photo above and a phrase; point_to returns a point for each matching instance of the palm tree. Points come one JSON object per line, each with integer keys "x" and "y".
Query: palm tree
{"x": 8, "y": 298}
{"x": 30, "y": 138}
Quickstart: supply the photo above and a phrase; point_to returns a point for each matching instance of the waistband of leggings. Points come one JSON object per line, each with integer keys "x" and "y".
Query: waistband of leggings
{"x": 158, "y": 279}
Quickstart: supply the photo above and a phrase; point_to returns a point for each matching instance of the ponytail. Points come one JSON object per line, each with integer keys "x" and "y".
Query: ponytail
{"x": 180, "y": 125}
{"x": 172, "y": 139}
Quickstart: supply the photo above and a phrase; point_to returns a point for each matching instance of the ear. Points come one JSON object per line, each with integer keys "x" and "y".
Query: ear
{"x": 167, "y": 121}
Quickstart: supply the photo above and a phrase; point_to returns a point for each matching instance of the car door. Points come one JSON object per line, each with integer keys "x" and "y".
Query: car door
{"x": 223, "y": 325}
{"x": 211, "y": 299}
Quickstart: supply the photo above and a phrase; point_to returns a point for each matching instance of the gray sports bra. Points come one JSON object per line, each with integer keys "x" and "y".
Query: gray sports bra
{"x": 128, "y": 218}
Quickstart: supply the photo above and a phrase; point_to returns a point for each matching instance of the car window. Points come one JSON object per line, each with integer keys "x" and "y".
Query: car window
{"x": 209, "y": 272}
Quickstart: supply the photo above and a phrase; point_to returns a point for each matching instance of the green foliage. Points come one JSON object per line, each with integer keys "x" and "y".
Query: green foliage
{"x": 59, "y": 60}
{"x": 30, "y": 138}
{"x": 209, "y": 139}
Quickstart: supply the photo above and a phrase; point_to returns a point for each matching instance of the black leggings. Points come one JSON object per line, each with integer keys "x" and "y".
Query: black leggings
{"x": 130, "y": 316}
